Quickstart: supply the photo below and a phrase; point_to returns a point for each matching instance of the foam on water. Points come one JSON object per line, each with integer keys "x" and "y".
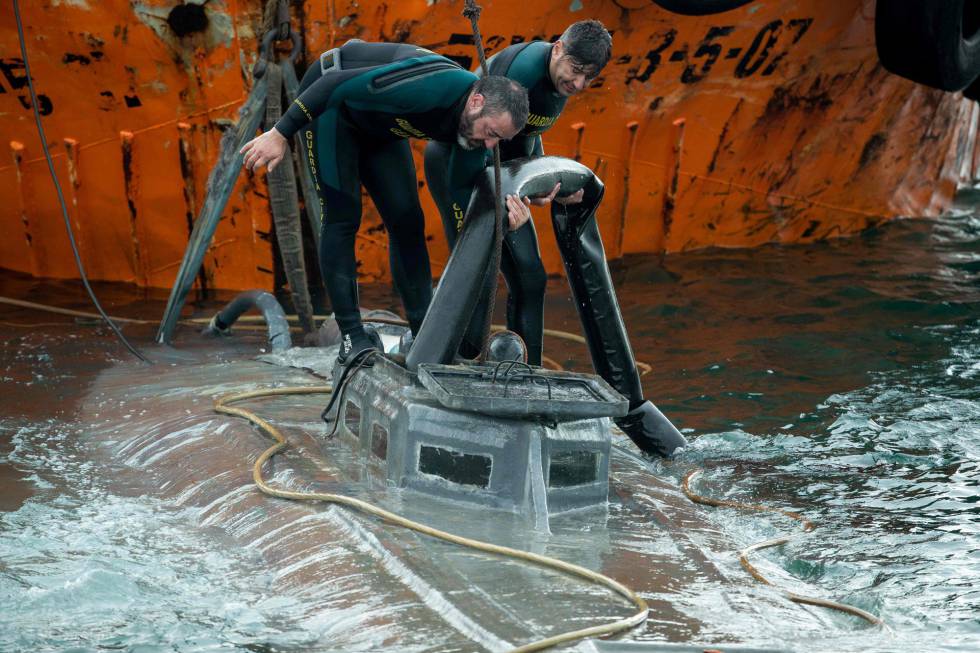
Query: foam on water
{"x": 890, "y": 469}
{"x": 87, "y": 569}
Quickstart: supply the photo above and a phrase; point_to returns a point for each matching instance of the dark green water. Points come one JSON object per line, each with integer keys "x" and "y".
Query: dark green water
{"x": 839, "y": 379}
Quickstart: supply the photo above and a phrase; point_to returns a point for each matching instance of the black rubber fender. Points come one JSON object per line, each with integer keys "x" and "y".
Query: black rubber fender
{"x": 460, "y": 287}
{"x": 700, "y": 7}
{"x": 934, "y": 43}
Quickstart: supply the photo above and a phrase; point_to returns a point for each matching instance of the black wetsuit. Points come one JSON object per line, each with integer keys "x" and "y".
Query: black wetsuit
{"x": 357, "y": 121}
{"x": 520, "y": 261}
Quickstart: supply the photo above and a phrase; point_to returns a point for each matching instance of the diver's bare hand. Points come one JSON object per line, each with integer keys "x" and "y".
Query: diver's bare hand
{"x": 544, "y": 201}
{"x": 267, "y": 149}
{"x": 518, "y": 211}
{"x": 574, "y": 198}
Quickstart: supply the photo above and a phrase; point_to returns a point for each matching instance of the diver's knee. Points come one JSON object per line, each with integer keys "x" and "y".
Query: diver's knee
{"x": 407, "y": 230}
{"x": 434, "y": 161}
{"x": 532, "y": 278}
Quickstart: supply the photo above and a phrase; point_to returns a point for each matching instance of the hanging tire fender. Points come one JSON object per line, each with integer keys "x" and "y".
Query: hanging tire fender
{"x": 934, "y": 43}
{"x": 700, "y": 7}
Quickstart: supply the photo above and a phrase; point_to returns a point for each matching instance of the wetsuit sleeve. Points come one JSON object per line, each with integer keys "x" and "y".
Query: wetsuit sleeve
{"x": 312, "y": 102}
{"x": 464, "y": 168}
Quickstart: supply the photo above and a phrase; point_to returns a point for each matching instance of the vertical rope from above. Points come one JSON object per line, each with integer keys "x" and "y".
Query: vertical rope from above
{"x": 269, "y": 15}
{"x": 472, "y": 11}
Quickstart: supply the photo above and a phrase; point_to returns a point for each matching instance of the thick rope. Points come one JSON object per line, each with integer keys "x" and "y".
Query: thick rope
{"x": 284, "y": 201}
{"x": 221, "y": 406}
{"x": 743, "y": 555}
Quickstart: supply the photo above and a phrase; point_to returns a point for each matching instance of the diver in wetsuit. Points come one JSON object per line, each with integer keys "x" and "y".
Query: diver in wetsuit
{"x": 359, "y": 104}
{"x": 552, "y": 72}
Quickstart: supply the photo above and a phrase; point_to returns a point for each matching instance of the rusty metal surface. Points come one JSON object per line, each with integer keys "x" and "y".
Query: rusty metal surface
{"x": 770, "y": 123}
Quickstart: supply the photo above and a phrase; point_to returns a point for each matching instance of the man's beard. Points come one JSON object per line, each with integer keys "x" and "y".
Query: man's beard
{"x": 466, "y": 143}
{"x": 464, "y": 133}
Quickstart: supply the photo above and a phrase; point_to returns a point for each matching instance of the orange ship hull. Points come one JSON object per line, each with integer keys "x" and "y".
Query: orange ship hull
{"x": 770, "y": 123}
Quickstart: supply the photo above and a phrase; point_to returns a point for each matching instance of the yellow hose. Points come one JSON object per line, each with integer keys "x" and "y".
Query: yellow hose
{"x": 221, "y": 406}
{"x": 743, "y": 555}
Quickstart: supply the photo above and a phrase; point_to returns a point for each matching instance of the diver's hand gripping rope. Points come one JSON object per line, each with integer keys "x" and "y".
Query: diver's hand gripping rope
{"x": 743, "y": 555}
{"x": 221, "y": 406}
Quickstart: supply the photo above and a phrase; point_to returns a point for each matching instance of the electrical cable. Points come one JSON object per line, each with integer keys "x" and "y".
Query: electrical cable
{"x": 57, "y": 187}
{"x": 356, "y": 363}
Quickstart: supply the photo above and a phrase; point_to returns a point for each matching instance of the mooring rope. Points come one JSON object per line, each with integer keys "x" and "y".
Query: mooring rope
{"x": 221, "y": 406}
{"x": 743, "y": 555}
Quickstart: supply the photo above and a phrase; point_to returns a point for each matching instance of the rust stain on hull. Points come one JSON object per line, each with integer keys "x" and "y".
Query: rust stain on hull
{"x": 17, "y": 153}
{"x": 673, "y": 170}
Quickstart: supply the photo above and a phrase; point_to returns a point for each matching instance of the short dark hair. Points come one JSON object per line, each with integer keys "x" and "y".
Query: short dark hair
{"x": 589, "y": 43}
{"x": 502, "y": 95}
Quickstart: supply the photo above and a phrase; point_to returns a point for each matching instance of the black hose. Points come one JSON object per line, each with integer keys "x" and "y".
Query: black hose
{"x": 61, "y": 197}
{"x": 271, "y": 310}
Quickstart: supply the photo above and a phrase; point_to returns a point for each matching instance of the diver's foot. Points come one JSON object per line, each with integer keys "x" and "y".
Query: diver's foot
{"x": 352, "y": 346}
{"x": 356, "y": 350}
{"x": 651, "y": 431}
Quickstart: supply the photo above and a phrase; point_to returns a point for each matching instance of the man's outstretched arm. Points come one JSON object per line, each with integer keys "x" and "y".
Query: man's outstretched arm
{"x": 269, "y": 148}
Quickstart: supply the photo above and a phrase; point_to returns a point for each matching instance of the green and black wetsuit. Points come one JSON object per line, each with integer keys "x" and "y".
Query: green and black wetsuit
{"x": 448, "y": 166}
{"x": 357, "y": 121}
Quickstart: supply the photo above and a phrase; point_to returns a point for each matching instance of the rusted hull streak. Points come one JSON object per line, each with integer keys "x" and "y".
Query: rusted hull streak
{"x": 631, "y": 128}
{"x": 673, "y": 169}
{"x": 17, "y": 153}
